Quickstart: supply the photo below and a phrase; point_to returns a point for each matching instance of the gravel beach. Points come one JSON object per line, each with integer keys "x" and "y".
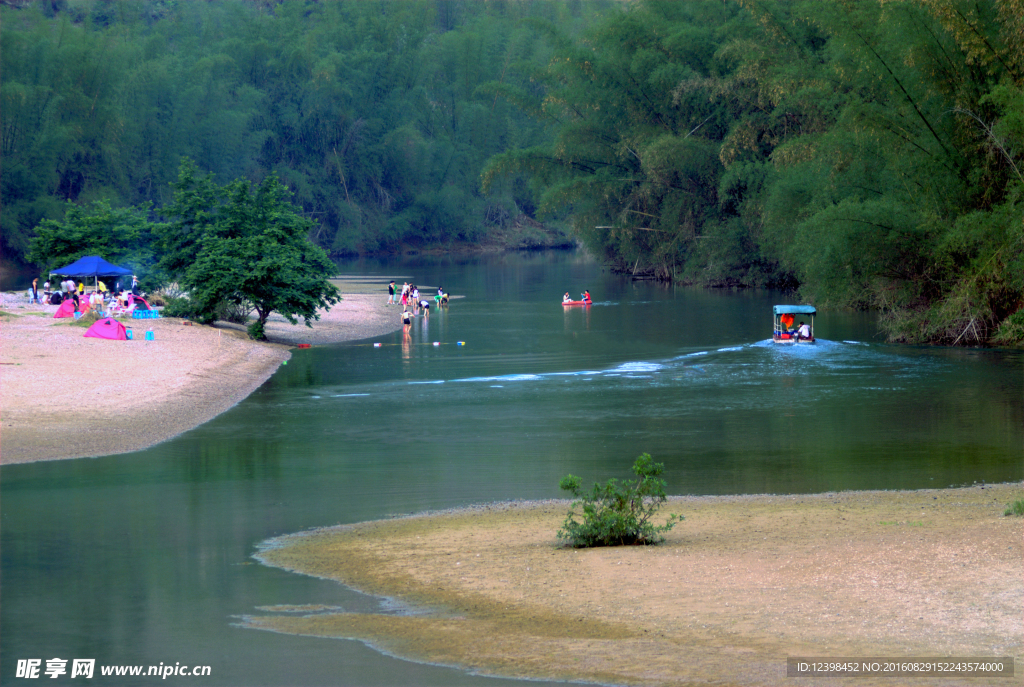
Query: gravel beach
{"x": 66, "y": 396}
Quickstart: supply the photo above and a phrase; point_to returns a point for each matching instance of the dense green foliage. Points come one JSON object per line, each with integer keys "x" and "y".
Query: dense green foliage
{"x": 1015, "y": 508}
{"x": 869, "y": 152}
{"x": 244, "y": 249}
{"x": 368, "y": 111}
{"x": 617, "y": 514}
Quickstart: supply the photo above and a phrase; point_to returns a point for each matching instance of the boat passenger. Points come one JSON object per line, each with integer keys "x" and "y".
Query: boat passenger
{"x": 586, "y": 296}
{"x": 566, "y": 298}
{"x": 804, "y": 331}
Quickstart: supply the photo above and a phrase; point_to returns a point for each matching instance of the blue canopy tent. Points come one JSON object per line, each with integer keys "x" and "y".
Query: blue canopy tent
{"x": 91, "y": 266}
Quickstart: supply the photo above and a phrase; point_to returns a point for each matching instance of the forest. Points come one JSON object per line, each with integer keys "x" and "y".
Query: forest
{"x": 862, "y": 154}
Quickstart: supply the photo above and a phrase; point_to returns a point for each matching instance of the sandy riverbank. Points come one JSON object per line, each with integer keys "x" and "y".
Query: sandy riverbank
{"x": 742, "y": 583}
{"x": 65, "y": 396}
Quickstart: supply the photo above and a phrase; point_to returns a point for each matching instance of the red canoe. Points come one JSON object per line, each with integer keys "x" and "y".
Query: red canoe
{"x": 576, "y": 302}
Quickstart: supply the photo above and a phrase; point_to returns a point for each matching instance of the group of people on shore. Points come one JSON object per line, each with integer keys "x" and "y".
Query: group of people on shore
{"x": 68, "y": 289}
{"x": 410, "y": 296}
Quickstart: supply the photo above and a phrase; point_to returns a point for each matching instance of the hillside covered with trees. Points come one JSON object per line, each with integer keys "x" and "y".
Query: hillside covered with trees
{"x": 369, "y": 112}
{"x": 868, "y": 154}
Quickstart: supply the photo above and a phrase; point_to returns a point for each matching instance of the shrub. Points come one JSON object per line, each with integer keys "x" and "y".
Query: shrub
{"x": 1015, "y": 508}
{"x": 181, "y": 307}
{"x": 1011, "y": 330}
{"x": 256, "y": 331}
{"x": 235, "y": 313}
{"x": 616, "y": 514}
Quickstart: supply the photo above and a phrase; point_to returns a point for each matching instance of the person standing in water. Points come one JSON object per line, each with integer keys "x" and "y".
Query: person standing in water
{"x": 391, "y": 293}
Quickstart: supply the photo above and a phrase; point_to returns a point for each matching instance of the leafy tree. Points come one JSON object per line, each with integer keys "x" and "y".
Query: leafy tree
{"x": 615, "y": 514}
{"x": 234, "y": 246}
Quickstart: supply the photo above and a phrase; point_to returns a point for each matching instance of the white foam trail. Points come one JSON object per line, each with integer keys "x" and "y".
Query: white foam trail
{"x": 638, "y": 367}
{"x": 502, "y": 378}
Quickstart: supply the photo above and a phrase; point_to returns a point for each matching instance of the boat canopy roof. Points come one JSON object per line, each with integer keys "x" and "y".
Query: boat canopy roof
{"x": 794, "y": 309}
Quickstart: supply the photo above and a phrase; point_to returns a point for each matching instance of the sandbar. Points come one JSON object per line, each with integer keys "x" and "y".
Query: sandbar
{"x": 740, "y": 585}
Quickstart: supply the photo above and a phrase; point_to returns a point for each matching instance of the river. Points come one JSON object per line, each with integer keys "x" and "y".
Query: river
{"x": 145, "y": 558}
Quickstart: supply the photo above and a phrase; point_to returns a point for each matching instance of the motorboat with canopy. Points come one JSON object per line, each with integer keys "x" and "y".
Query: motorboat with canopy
{"x": 784, "y": 330}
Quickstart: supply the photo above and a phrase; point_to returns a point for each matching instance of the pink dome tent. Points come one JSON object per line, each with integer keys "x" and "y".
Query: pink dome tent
{"x": 66, "y": 309}
{"x": 107, "y": 328}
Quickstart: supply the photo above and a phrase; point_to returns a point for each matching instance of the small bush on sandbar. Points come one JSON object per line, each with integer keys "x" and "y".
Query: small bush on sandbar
{"x": 1015, "y": 508}
{"x": 615, "y": 514}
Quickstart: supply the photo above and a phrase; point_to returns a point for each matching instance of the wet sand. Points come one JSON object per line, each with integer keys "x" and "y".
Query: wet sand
{"x": 65, "y": 396}
{"x": 740, "y": 585}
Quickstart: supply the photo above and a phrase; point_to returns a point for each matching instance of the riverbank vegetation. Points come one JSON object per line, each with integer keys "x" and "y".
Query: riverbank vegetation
{"x": 617, "y": 514}
{"x": 869, "y": 155}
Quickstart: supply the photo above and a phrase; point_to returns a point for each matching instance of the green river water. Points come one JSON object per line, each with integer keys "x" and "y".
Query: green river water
{"x": 145, "y": 558}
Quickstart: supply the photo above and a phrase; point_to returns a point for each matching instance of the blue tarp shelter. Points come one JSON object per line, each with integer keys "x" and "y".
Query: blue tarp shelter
{"x": 91, "y": 266}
